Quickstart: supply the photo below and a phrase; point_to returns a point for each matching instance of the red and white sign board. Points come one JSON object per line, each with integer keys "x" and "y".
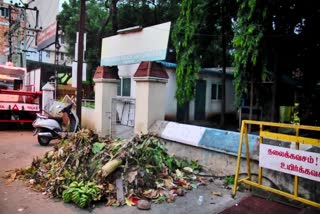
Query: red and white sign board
{"x": 47, "y": 36}
{"x": 295, "y": 162}
{"x": 19, "y": 106}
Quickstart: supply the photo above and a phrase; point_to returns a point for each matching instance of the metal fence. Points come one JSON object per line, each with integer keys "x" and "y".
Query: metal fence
{"x": 89, "y": 103}
{"x": 122, "y": 113}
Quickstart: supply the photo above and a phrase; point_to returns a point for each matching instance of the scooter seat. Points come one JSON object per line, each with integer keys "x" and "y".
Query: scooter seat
{"x": 58, "y": 119}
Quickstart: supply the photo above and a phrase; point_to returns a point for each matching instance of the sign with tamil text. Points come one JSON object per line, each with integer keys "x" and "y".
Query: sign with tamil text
{"x": 295, "y": 162}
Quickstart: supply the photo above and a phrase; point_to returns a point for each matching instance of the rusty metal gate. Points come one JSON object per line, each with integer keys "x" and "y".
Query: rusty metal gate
{"x": 122, "y": 113}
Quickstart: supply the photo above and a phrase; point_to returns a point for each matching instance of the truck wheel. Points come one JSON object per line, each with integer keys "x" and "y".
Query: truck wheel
{"x": 43, "y": 141}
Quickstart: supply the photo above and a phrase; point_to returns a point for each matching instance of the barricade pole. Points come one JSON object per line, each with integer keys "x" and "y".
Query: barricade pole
{"x": 238, "y": 161}
{"x": 296, "y": 178}
{"x": 247, "y": 150}
{"x": 260, "y": 168}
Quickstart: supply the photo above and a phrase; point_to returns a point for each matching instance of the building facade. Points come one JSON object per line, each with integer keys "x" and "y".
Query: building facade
{"x": 12, "y": 33}
{"x": 208, "y": 98}
{"x": 48, "y": 11}
{"x": 4, "y": 27}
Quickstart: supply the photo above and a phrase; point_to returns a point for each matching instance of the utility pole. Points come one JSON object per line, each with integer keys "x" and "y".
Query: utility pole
{"x": 10, "y": 35}
{"x": 56, "y": 61}
{"x": 15, "y": 26}
{"x": 24, "y": 57}
{"x": 80, "y": 57}
{"x": 224, "y": 65}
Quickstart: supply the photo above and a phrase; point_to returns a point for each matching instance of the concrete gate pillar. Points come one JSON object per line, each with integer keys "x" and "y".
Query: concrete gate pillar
{"x": 151, "y": 79}
{"x": 47, "y": 96}
{"x": 106, "y": 80}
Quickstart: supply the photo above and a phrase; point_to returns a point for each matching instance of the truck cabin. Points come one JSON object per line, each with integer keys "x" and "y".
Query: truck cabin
{"x": 11, "y": 80}
{"x": 10, "y": 83}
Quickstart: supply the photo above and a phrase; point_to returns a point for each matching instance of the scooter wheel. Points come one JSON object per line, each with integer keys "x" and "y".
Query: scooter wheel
{"x": 43, "y": 141}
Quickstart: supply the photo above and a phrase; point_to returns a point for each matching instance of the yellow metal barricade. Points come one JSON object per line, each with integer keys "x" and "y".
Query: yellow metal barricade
{"x": 264, "y": 133}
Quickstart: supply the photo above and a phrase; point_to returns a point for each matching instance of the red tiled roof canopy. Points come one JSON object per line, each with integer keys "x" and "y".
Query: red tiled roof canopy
{"x": 151, "y": 69}
{"x": 106, "y": 72}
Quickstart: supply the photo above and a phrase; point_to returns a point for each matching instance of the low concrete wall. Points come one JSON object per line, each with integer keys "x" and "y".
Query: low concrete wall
{"x": 216, "y": 150}
{"x": 213, "y": 148}
{"x": 87, "y": 114}
{"x": 88, "y": 118}
{"x": 208, "y": 138}
{"x": 217, "y": 163}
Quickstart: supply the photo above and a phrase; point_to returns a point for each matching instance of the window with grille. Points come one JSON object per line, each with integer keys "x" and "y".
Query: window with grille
{"x": 124, "y": 87}
{"x": 216, "y": 92}
{"x": 4, "y": 12}
{"x": 62, "y": 56}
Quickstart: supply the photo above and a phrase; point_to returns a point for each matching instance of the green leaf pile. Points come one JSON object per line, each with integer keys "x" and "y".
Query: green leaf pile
{"x": 73, "y": 170}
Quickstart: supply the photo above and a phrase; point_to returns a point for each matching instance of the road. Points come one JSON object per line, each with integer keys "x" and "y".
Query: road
{"x": 18, "y": 148}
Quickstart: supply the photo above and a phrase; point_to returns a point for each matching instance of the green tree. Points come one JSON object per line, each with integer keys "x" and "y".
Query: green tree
{"x": 186, "y": 43}
{"x": 96, "y": 27}
{"x": 104, "y": 17}
{"x": 278, "y": 40}
{"x": 248, "y": 33}
{"x": 202, "y": 38}
{"x": 146, "y": 13}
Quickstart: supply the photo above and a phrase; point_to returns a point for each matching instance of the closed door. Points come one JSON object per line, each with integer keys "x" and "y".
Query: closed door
{"x": 200, "y": 100}
{"x": 183, "y": 112}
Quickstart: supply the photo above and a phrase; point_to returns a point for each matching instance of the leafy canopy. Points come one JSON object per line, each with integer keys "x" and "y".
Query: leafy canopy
{"x": 197, "y": 38}
{"x": 248, "y": 33}
{"x": 102, "y": 19}
{"x": 96, "y": 14}
{"x": 186, "y": 46}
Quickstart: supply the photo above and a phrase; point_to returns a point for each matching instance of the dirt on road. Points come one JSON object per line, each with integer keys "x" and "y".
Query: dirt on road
{"x": 18, "y": 148}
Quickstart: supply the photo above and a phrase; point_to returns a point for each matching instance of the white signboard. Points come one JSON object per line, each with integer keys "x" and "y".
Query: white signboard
{"x": 75, "y": 73}
{"x": 149, "y": 44}
{"x": 76, "y": 46}
{"x": 295, "y": 162}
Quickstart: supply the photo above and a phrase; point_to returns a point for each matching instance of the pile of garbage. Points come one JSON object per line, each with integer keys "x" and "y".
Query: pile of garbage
{"x": 83, "y": 169}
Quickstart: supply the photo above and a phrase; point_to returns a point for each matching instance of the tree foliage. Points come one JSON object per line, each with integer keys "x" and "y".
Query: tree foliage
{"x": 264, "y": 36}
{"x": 210, "y": 33}
{"x": 104, "y": 17}
{"x": 96, "y": 28}
{"x": 281, "y": 39}
{"x": 197, "y": 38}
{"x": 248, "y": 34}
{"x": 186, "y": 46}
{"x": 147, "y": 12}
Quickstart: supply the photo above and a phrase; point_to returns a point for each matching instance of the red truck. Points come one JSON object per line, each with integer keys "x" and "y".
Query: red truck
{"x": 18, "y": 103}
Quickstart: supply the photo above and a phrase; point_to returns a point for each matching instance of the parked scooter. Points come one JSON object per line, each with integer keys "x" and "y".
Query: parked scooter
{"x": 49, "y": 128}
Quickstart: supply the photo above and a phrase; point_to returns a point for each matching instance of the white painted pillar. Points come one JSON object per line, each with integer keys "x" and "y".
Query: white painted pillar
{"x": 105, "y": 90}
{"x": 47, "y": 96}
{"x": 151, "y": 82}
